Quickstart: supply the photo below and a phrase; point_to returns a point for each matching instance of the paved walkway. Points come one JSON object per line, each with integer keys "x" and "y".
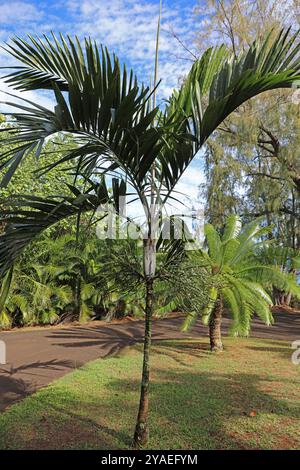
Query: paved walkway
{"x": 36, "y": 357}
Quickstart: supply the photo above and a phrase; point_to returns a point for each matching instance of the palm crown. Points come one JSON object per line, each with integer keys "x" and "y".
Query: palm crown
{"x": 112, "y": 117}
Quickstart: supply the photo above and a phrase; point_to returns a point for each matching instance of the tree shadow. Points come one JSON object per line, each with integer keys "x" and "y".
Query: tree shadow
{"x": 285, "y": 352}
{"x": 171, "y": 348}
{"x": 15, "y": 387}
{"x": 189, "y": 410}
{"x": 198, "y": 408}
{"x": 112, "y": 339}
{"x": 107, "y": 436}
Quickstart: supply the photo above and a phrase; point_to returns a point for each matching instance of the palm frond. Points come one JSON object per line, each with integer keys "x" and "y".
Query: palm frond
{"x": 217, "y": 85}
{"x": 232, "y": 228}
{"x": 31, "y": 215}
{"x": 105, "y": 111}
{"x": 5, "y": 288}
{"x": 189, "y": 321}
{"x": 213, "y": 295}
{"x": 272, "y": 275}
{"x": 214, "y": 243}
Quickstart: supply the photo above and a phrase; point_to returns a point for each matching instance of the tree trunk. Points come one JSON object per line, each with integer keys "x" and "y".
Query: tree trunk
{"x": 215, "y": 327}
{"x": 142, "y": 431}
{"x": 77, "y": 296}
{"x": 288, "y": 299}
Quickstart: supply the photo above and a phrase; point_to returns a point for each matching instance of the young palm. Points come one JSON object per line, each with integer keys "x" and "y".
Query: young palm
{"x": 118, "y": 129}
{"x": 238, "y": 278}
{"x": 34, "y": 297}
{"x": 79, "y": 268}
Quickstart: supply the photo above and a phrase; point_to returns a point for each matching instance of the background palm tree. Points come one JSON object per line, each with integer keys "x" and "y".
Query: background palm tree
{"x": 117, "y": 129}
{"x": 287, "y": 260}
{"x": 238, "y": 278}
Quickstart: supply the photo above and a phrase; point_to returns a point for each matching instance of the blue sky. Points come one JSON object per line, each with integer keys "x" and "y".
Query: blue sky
{"x": 127, "y": 27}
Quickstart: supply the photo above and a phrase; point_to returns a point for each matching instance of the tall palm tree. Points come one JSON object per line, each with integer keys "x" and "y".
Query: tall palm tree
{"x": 118, "y": 129}
{"x": 239, "y": 277}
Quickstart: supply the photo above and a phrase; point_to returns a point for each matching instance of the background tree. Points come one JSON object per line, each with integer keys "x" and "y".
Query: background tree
{"x": 254, "y": 153}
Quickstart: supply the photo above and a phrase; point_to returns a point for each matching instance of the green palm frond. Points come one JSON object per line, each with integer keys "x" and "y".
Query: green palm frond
{"x": 5, "y": 288}
{"x": 287, "y": 258}
{"x": 105, "y": 110}
{"x": 272, "y": 275}
{"x": 232, "y": 228}
{"x": 243, "y": 299}
{"x": 259, "y": 301}
{"x": 189, "y": 321}
{"x": 213, "y": 295}
{"x": 47, "y": 317}
{"x": 18, "y": 301}
{"x": 213, "y": 240}
{"x": 250, "y": 231}
{"x": 217, "y": 85}
{"x": 230, "y": 249}
{"x": 31, "y": 215}
{"x": 232, "y": 302}
{"x": 269, "y": 63}
{"x": 85, "y": 312}
{"x": 5, "y": 320}
{"x": 87, "y": 291}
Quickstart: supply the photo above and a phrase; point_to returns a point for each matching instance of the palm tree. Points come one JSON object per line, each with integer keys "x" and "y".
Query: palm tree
{"x": 238, "y": 278}
{"x": 118, "y": 130}
{"x": 287, "y": 259}
{"x": 35, "y": 296}
{"x": 79, "y": 267}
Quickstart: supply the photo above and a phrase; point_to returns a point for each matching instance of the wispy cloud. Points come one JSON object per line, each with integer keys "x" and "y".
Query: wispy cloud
{"x": 13, "y": 12}
{"x": 42, "y": 98}
{"x": 129, "y": 28}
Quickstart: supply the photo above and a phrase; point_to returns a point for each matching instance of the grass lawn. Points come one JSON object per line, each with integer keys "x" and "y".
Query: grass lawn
{"x": 244, "y": 398}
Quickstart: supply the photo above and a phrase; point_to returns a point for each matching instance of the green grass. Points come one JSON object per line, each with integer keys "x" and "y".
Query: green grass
{"x": 244, "y": 398}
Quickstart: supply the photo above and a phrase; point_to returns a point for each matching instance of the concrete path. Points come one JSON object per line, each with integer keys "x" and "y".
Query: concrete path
{"x": 36, "y": 357}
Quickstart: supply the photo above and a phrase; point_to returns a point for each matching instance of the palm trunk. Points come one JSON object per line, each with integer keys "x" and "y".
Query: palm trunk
{"x": 77, "y": 296}
{"x": 288, "y": 300}
{"x": 142, "y": 431}
{"x": 141, "y": 434}
{"x": 215, "y": 327}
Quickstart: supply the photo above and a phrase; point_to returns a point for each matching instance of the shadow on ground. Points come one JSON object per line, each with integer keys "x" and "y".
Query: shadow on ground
{"x": 194, "y": 405}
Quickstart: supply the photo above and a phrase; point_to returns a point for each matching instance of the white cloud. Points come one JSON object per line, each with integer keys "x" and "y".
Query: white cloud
{"x": 18, "y": 12}
{"x": 129, "y": 27}
{"x": 42, "y": 98}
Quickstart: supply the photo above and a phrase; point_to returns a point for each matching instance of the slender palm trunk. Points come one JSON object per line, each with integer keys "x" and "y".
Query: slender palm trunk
{"x": 142, "y": 430}
{"x": 77, "y": 296}
{"x": 215, "y": 327}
